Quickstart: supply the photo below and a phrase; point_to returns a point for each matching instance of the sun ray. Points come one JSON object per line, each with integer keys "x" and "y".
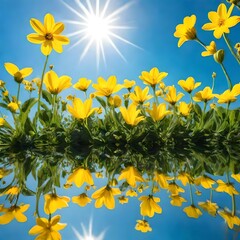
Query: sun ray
{"x": 98, "y": 27}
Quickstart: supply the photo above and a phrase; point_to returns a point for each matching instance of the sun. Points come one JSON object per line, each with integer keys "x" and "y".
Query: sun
{"x": 88, "y": 234}
{"x": 97, "y": 27}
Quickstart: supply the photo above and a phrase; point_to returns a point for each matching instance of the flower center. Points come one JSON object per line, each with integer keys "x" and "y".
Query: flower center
{"x": 49, "y": 36}
{"x": 191, "y": 33}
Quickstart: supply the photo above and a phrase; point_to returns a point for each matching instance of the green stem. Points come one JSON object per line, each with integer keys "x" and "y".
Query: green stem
{"x": 230, "y": 48}
{"x": 213, "y": 83}
{"x": 40, "y": 87}
{"x": 18, "y": 92}
{"x": 155, "y": 96}
{"x": 227, "y": 76}
{"x": 233, "y": 205}
{"x": 191, "y": 193}
{"x": 200, "y": 42}
{"x": 54, "y": 109}
{"x": 211, "y": 194}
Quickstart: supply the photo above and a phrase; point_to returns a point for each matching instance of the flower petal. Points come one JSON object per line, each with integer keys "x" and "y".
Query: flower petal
{"x": 37, "y": 26}
{"x": 49, "y": 22}
{"x": 11, "y": 68}
{"x": 35, "y": 38}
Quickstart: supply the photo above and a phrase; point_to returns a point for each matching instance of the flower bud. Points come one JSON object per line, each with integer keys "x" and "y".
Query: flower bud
{"x": 219, "y": 56}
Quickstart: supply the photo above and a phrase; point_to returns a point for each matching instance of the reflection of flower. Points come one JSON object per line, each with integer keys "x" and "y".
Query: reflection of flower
{"x": 209, "y": 206}
{"x": 131, "y": 175}
{"x": 131, "y": 193}
{"x": 153, "y": 77}
{"x": 13, "y": 212}
{"x": 162, "y": 179}
{"x": 105, "y": 195}
{"x": 143, "y": 226}
{"x": 79, "y": 176}
{"x": 54, "y": 202}
{"x": 48, "y": 229}
{"x": 186, "y": 31}
{"x": 184, "y": 178}
{"x": 221, "y": 21}
{"x": 177, "y": 200}
{"x": 174, "y": 189}
{"x": 123, "y": 200}
{"x": 82, "y": 200}
{"x": 149, "y": 205}
{"x": 205, "y": 181}
{"x": 226, "y": 187}
{"x": 229, "y": 218}
{"x": 192, "y": 211}
{"x": 48, "y": 34}
{"x": 55, "y": 84}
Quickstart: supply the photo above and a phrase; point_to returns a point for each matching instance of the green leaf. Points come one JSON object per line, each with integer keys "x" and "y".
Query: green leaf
{"x": 102, "y": 102}
{"x": 3, "y": 105}
{"x": 198, "y": 110}
{"x": 47, "y": 96}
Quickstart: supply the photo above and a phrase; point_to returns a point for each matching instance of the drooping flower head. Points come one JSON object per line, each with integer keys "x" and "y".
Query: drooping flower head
{"x": 186, "y": 31}
{"x": 82, "y": 199}
{"x": 149, "y": 205}
{"x": 143, "y": 226}
{"x": 221, "y": 21}
{"x": 192, "y": 211}
{"x": 48, "y": 34}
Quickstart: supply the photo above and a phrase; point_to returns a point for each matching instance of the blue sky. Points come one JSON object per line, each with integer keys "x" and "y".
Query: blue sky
{"x": 153, "y": 25}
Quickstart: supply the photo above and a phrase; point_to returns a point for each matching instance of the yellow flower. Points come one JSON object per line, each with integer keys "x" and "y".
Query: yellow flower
{"x": 172, "y": 97}
{"x": 82, "y": 84}
{"x": 14, "y": 190}
{"x": 2, "y": 83}
{"x": 143, "y": 226}
{"x": 226, "y": 187}
{"x": 48, "y": 34}
{"x": 139, "y": 96}
{"x": 106, "y": 88}
{"x": 186, "y": 31}
{"x": 131, "y": 193}
{"x": 4, "y": 172}
{"x": 149, "y": 205}
{"x": 185, "y": 108}
{"x": 174, "y": 189}
{"x": 236, "y": 89}
{"x": 113, "y": 182}
{"x": 14, "y": 212}
{"x": 189, "y": 84}
{"x": 185, "y": 178}
{"x": 235, "y": 176}
{"x": 205, "y": 181}
{"x": 221, "y": 21}
{"x": 210, "y": 50}
{"x": 131, "y": 175}
{"x": 2, "y": 122}
{"x": 98, "y": 175}
{"x": 227, "y": 97}
{"x": 177, "y": 200}
{"x": 48, "y": 229}
{"x": 18, "y": 75}
{"x": 54, "y": 202}
{"x": 82, "y": 200}
{"x": 153, "y": 77}
{"x": 204, "y": 96}
{"x": 162, "y": 179}
{"x": 123, "y": 200}
{"x": 209, "y": 206}
{"x": 81, "y": 110}
{"x": 192, "y": 211}
{"x": 115, "y": 101}
{"x": 55, "y": 84}
{"x": 130, "y": 115}
{"x": 105, "y": 195}
{"x": 230, "y": 219}
{"x": 158, "y": 112}
{"x": 129, "y": 84}
{"x": 13, "y": 107}
{"x": 79, "y": 176}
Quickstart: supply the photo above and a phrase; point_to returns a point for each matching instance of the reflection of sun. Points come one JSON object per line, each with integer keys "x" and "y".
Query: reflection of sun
{"x": 87, "y": 234}
{"x": 97, "y": 27}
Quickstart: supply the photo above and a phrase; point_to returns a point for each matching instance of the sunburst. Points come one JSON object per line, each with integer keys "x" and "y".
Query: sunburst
{"x": 98, "y": 26}
{"x": 88, "y": 234}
